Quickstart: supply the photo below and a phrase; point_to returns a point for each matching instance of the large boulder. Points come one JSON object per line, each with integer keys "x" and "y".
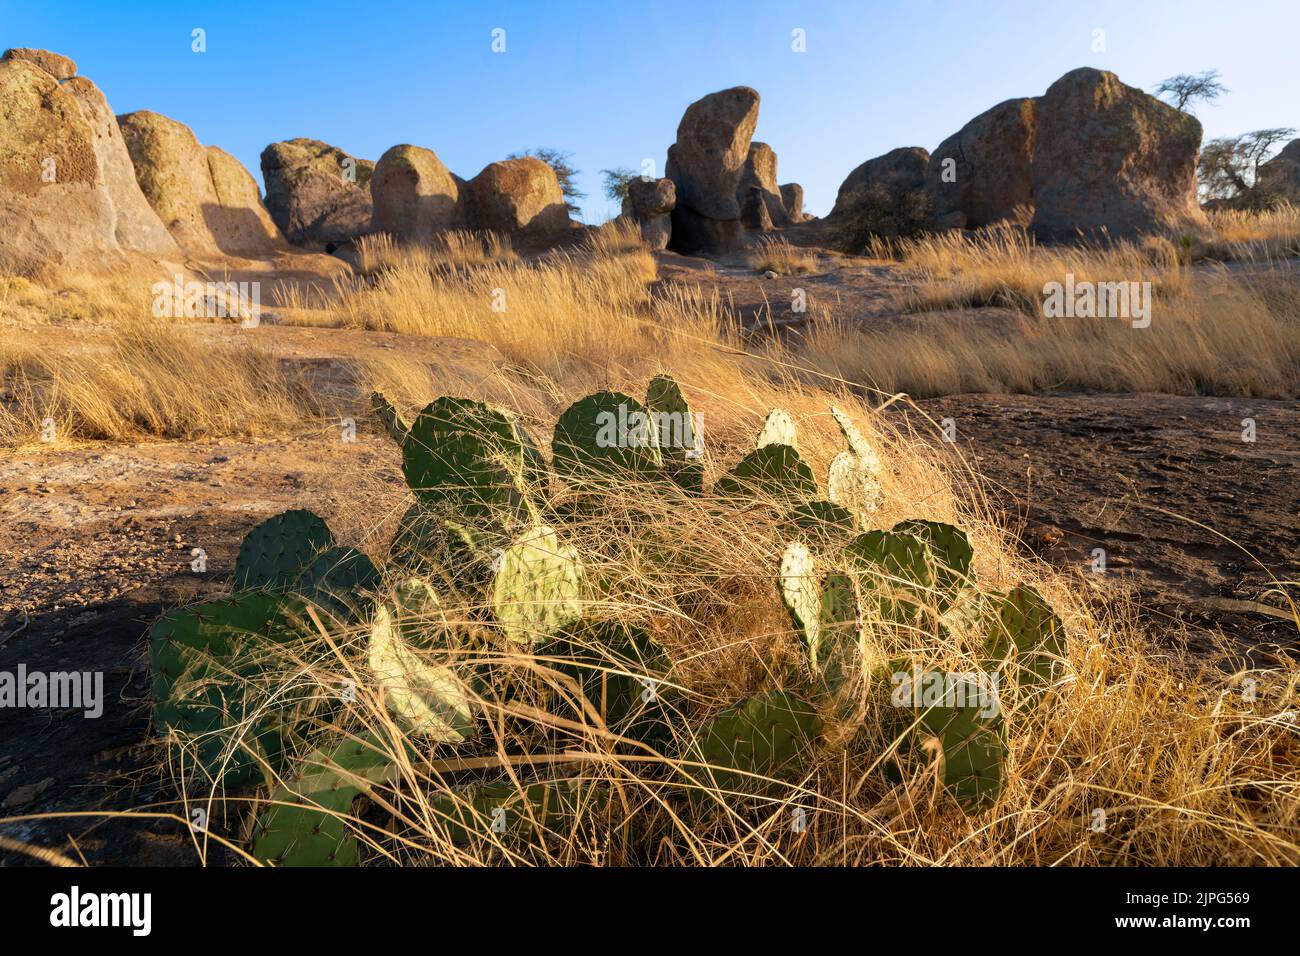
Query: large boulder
{"x": 899, "y": 172}
{"x": 1279, "y": 178}
{"x": 1111, "y": 157}
{"x": 792, "y": 200}
{"x": 705, "y": 164}
{"x": 135, "y": 225}
{"x": 759, "y": 172}
{"x": 650, "y": 202}
{"x": 240, "y": 224}
{"x": 414, "y": 194}
{"x": 520, "y": 197}
{"x": 205, "y": 197}
{"x": 54, "y": 207}
{"x": 982, "y": 173}
{"x": 316, "y": 193}
{"x": 56, "y": 65}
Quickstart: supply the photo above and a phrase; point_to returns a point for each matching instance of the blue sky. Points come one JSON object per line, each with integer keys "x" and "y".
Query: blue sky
{"x": 609, "y": 81}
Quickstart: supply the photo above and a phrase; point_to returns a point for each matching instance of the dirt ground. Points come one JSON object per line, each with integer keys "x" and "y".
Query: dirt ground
{"x": 95, "y": 541}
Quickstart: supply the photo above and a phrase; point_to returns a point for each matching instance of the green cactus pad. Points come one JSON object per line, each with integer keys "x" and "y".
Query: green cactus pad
{"x": 390, "y": 417}
{"x": 537, "y": 588}
{"x": 761, "y": 740}
{"x": 605, "y": 439}
{"x": 204, "y": 659}
{"x": 840, "y": 627}
{"x": 823, "y": 526}
{"x": 456, "y": 554}
{"x": 473, "y": 458}
{"x": 427, "y": 699}
{"x": 895, "y": 569}
{"x": 621, "y": 671}
{"x": 1029, "y": 639}
{"x": 340, "y": 581}
{"x": 778, "y": 429}
{"x": 773, "y": 471}
{"x": 274, "y": 553}
{"x": 951, "y": 549}
{"x": 801, "y": 591}
{"x": 974, "y": 748}
{"x": 304, "y": 826}
{"x": 676, "y": 434}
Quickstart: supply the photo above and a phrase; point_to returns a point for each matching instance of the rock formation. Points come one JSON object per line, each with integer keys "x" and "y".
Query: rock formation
{"x": 414, "y": 194}
{"x": 316, "y": 193}
{"x": 650, "y": 203}
{"x": 705, "y": 165}
{"x": 792, "y": 200}
{"x": 518, "y": 197}
{"x": 759, "y": 172}
{"x": 981, "y": 174}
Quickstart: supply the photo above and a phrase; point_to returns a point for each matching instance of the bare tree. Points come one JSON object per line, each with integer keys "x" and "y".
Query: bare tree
{"x": 1186, "y": 88}
{"x": 1229, "y": 166}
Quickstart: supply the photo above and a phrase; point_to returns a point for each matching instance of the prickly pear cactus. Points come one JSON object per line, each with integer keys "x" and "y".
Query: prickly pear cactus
{"x": 949, "y": 723}
{"x": 801, "y": 592}
{"x": 677, "y": 433}
{"x": 604, "y": 440}
{"x": 396, "y": 426}
{"x": 340, "y": 581}
{"x": 472, "y": 458}
{"x": 950, "y": 548}
{"x": 840, "y": 627}
{"x": 854, "y": 480}
{"x": 205, "y": 660}
{"x": 274, "y": 552}
{"x": 778, "y": 429}
{"x": 456, "y": 554}
{"x": 755, "y": 744}
{"x": 537, "y": 588}
{"x": 1028, "y": 640}
{"x": 895, "y": 571}
{"x": 305, "y": 824}
{"x": 622, "y": 673}
{"x": 823, "y": 526}
{"x": 427, "y": 699}
{"x": 503, "y": 813}
{"x": 773, "y": 471}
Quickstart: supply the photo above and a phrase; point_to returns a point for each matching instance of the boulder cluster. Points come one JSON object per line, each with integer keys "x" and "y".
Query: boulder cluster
{"x": 1090, "y": 155}
{"x": 80, "y": 186}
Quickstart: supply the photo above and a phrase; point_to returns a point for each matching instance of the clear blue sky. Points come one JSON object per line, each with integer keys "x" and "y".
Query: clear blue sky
{"x": 609, "y": 80}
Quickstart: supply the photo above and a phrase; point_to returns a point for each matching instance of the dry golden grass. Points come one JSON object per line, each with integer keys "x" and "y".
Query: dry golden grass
{"x": 451, "y": 250}
{"x": 1253, "y": 235}
{"x": 777, "y": 255}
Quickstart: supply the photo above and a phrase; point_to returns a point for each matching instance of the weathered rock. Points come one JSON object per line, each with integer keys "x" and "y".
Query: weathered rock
{"x": 1279, "y": 178}
{"x": 240, "y": 224}
{"x": 759, "y": 172}
{"x": 316, "y": 193}
{"x": 792, "y": 200}
{"x": 415, "y": 195}
{"x": 54, "y": 207}
{"x": 650, "y": 203}
{"x": 982, "y": 173}
{"x": 135, "y": 225}
{"x": 56, "y": 65}
{"x": 897, "y": 173}
{"x": 519, "y": 196}
{"x": 1111, "y": 157}
{"x": 705, "y": 165}
{"x": 754, "y": 214}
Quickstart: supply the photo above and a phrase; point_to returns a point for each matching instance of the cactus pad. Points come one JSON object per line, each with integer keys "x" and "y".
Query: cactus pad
{"x": 680, "y": 442}
{"x": 763, "y": 739}
{"x": 536, "y": 591}
{"x": 427, "y": 699}
{"x": 778, "y": 429}
{"x": 1028, "y": 637}
{"x": 773, "y": 471}
{"x": 274, "y": 552}
{"x": 340, "y": 581}
{"x": 950, "y": 548}
{"x": 390, "y": 417}
{"x": 604, "y": 439}
{"x": 801, "y": 592}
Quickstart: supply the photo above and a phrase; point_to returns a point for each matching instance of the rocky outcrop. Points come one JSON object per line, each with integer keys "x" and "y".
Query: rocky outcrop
{"x": 982, "y": 173}
{"x": 759, "y": 172}
{"x": 792, "y": 200}
{"x": 650, "y": 203}
{"x": 415, "y": 195}
{"x": 57, "y": 66}
{"x": 1111, "y": 157}
{"x": 518, "y": 197}
{"x": 68, "y": 194}
{"x": 705, "y": 165}
{"x": 898, "y": 173}
{"x": 205, "y": 197}
{"x": 316, "y": 193}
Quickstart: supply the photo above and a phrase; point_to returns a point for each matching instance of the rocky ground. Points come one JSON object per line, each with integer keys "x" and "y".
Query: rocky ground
{"x": 96, "y": 540}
